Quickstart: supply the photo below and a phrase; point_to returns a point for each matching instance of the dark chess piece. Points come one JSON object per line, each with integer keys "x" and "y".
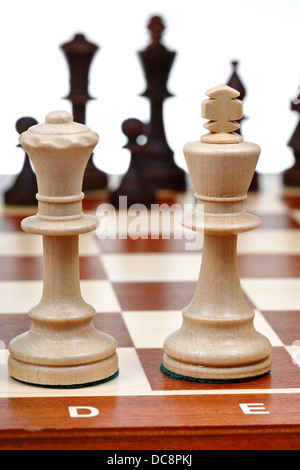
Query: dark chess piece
{"x": 134, "y": 186}
{"x": 80, "y": 53}
{"x": 24, "y": 189}
{"x": 157, "y": 60}
{"x": 291, "y": 177}
{"x": 236, "y": 83}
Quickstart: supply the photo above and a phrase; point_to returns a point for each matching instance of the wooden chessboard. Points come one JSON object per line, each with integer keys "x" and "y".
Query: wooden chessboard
{"x": 138, "y": 288}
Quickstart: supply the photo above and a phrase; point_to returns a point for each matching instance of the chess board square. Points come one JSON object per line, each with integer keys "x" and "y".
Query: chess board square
{"x": 282, "y": 364}
{"x": 154, "y": 295}
{"x": 268, "y": 202}
{"x": 90, "y": 267}
{"x": 20, "y": 244}
{"x": 262, "y": 326}
{"x": 285, "y": 323}
{"x": 272, "y": 265}
{"x": 280, "y": 241}
{"x": 149, "y": 329}
{"x": 152, "y": 267}
{"x": 31, "y": 268}
{"x": 292, "y": 201}
{"x": 88, "y": 245}
{"x": 28, "y": 244}
{"x": 21, "y": 268}
{"x": 273, "y": 294}
{"x": 114, "y": 325}
{"x": 131, "y": 380}
{"x": 12, "y": 326}
{"x": 142, "y": 245}
{"x": 278, "y": 221}
{"x": 8, "y": 224}
{"x": 21, "y": 296}
{"x": 100, "y": 294}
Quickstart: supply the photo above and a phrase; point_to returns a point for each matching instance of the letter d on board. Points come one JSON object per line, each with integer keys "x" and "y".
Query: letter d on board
{"x": 90, "y": 411}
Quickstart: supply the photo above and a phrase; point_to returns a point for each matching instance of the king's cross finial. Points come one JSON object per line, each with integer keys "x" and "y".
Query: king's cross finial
{"x": 222, "y": 109}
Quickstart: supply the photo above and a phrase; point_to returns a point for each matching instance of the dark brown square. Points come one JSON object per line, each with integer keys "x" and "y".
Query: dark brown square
{"x": 284, "y": 374}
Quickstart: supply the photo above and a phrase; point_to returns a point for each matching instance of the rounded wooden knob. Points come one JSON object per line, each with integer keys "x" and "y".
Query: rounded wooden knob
{"x": 59, "y": 117}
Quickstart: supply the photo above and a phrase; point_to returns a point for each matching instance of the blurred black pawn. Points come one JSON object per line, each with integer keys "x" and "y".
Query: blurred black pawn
{"x": 24, "y": 189}
{"x": 134, "y": 185}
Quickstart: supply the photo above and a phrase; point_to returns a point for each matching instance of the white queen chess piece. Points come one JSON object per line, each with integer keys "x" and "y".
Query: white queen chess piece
{"x": 62, "y": 347}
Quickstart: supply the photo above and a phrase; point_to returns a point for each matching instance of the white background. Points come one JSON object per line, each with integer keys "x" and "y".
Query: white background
{"x": 262, "y": 34}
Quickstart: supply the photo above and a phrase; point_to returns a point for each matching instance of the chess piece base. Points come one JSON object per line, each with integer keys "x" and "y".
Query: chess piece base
{"x": 210, "y": 348}
{"x": 195, "y": 372}
{"x": 70, "y": 376}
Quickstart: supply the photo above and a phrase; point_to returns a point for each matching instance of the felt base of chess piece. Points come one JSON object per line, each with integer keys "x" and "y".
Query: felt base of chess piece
{"x": 210, "y": 381}
{"x": 66, "y": 387}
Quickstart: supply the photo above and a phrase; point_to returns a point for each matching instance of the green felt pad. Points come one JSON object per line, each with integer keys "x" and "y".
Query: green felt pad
{"x": 209, "y": 381}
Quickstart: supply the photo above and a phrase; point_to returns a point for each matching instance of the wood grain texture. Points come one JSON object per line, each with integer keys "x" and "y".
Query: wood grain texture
{"x": 193, "y": 423}
{"x": 143, "y": 408}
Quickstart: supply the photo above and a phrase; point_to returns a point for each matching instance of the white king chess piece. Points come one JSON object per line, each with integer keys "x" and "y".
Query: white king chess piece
{"x": 217, "y": 340}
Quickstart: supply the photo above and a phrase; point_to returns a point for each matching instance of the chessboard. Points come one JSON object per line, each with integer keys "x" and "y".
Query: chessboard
{"x": 138, "y": 288}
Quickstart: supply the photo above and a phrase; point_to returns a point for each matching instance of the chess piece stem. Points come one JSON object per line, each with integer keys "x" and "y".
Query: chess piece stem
{"x": 62, "y": 347}
{"x": 217, "y": 340}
